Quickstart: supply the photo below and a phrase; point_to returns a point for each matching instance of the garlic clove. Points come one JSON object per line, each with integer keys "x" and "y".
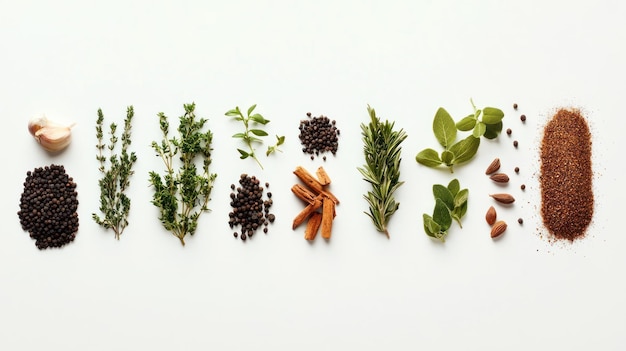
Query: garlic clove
{"x": 54, "y": 139}
{"x": 51, "y": 136}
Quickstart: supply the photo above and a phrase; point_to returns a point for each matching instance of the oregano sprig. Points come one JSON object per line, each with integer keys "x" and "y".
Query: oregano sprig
{"x": 252, "y": 135}
{"x": 450, "y": 204}
{"x": 182, "y": 194}
{"x": 457, "y": 152}
{"x": 116, "y": 171}
{"x": 381, "y": 146}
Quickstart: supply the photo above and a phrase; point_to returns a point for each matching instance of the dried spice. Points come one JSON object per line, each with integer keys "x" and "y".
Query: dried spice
{"x": 48, "y": 207}
{"x": 320, "y": 209}
{"x": 566, "y": 175}
{"x": 318, "y": 135}
{"x": 250, "y": 212}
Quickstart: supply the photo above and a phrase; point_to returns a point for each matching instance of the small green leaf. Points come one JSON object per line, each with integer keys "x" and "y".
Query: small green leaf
{"x": 444, "y": 194}
{"x": 444, "y": 128}
{"x": 465, "y": 149}
{"x": 441, "y": 215}
{"x": 477, "y": 114}
{"x": 461, "y": 197}
{"x": 233, "y": 113}
{"x": 270, "y": 149}
{"x": 493, "y": 130}
{"x": 239, "y": 135}
{"x": 466, "y": 123}
{"x": 251, "y": 109}
{"x": 428, "y": 157}
{"x": 258, "y": 132}
{"x": 281, "y": 140}
{"x": 479, "y": 130}
{"x": 447, "y": 157}
{"x": 243, "y": 153}
{"x": 430, "y": 226}
{"x": 259, "y": 119}
{"x": 454, "y": 186}
{"x": 492, "y": 115}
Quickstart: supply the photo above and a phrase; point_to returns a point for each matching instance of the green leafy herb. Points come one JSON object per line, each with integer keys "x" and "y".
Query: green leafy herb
{"x": 450, "y": 204}
{"x": 252, "y": 135}
{"x": 445, "y": 130}
{"x": 114, "y": 203}
{"x": 382, "y": 168}
{"x": 178, "y": 193}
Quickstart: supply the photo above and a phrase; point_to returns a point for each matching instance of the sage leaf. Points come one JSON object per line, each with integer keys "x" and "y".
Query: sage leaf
{"x": 444, "y": 194}
{"x": 461, "y": 197}
{"x": 492, "y": 115}
{"x": 465, "y": 149}
{"x": 441, "y": 215}
{"x": 447, "y": 157}
{"x": 454, "y": 186}
{"x": 493, "y": 130}
{"x": 444, "y": 128}
{"x": 428, "y": 157}
{"x": 479, "y": 129}
{"x": 466, "y": 124}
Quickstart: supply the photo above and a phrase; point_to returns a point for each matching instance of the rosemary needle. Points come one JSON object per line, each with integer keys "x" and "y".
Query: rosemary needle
{"x": 381, "y": 146}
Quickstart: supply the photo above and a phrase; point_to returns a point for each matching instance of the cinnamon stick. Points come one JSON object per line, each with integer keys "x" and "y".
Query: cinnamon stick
{"x": 313, "y": 226}
{"x": 303, "y": 193}
{"x": 308, "y": 179}
{"x": 328, "y": 213}
{"x": 307, "y": 211}
{"x": 322, "y": 176}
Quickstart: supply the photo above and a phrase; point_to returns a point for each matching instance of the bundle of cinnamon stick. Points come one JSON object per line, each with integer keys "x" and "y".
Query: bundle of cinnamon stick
{"x": 320, "y": 203}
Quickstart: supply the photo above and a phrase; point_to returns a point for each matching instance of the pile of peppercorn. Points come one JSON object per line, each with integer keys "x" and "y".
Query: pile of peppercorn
{"x": 318, "y": 135}
{"x": 250, "y": 211}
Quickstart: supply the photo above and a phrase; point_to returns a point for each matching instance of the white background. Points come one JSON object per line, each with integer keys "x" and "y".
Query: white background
{"x": 359, "y": 290}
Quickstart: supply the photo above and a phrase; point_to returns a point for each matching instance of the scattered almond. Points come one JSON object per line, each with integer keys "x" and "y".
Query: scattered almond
{"x": 491, "y": 215}
{"x": 503, "y": 198}
{"x": 494, "y": 166}
{"x": 498, "y": 228}
{"x": 500, "y": 178}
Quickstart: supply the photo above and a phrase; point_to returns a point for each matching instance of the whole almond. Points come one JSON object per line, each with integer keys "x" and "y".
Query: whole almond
{"x": 503, "y": 198}
{"x": 491, "y": 215}
{"x": 494, "y": 166}
{"x": 498, "y": 228}
{"x": 500, "y": 178}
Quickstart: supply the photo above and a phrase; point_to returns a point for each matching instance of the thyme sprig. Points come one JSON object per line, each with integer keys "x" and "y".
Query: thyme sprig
{"x": 179, "y": 193}
{"x": 114, "y": 203}
{"x": 382, "y": 168}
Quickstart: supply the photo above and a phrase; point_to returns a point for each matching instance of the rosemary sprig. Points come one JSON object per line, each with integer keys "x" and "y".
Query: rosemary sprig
{"x": 178, "y": 193}
{"x": 114, "y": 203}
{"x": 382, "y": 168}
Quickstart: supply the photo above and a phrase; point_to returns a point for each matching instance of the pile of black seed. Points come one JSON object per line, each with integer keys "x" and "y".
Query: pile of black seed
{"x": 250, "y": 211}
{"x": 48, "y": 207}
{"x": 318, "y": 135}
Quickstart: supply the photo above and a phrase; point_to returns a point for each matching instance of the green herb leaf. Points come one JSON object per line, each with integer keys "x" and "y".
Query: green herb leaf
{"x": 239, "y": 135}
{"x": 430, "y": 226}
{"x": 461, "y": 197}
{"x": 233, "y": 113}
{"x": 441, "y": 215}
{"x": 243, "y": 154}
{"x": 454, "y": 186}
{"x": 493, "y": 130}
{"x": 259, "y": 119}
{"x": 250, "y": 109}
{"x": 447, "y": 157}
{"x": 465, "y": 149}
{"x": 281, "y": 140}
{"x": 479, "y": 129}
{"x": 428, "y": 157}
{"x": 444, "y": 194}
{"x": 492, "y": 115}
{"x": 466, "y": 124}
{"x": 444, "y": 128}
{"x": 258, "y": 132}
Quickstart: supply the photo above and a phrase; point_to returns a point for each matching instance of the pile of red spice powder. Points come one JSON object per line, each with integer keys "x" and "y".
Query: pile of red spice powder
{"x": 566, "y": 175}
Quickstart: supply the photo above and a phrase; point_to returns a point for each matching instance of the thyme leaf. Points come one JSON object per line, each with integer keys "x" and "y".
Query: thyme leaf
{"x": 381, "y": 147}
{"x": 182, "y": 194}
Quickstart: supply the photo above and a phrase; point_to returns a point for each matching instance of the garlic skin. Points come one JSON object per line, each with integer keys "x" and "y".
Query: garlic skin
{"x": 53, "y": 137}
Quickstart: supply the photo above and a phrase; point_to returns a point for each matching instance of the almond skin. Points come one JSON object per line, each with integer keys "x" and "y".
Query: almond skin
{"x": 503, "y": 198}
{"x": 494, "y": 166}
{"x": 500, "y": 178}
{"x": 498, "y": 228}
{"x": 491, "y": 215}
